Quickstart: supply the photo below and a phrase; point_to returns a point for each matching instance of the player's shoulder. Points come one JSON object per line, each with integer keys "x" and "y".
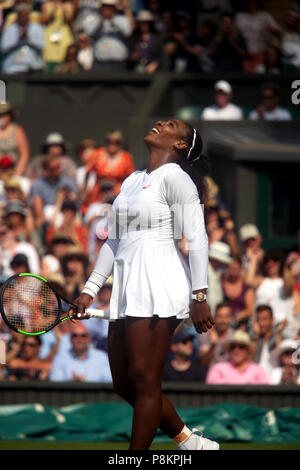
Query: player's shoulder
{"x": 130, "y": 178}
{"x": 173, "y": 173}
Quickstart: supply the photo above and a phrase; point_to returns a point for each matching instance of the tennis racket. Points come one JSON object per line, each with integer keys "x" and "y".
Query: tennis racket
{"x": 31, "y": 306}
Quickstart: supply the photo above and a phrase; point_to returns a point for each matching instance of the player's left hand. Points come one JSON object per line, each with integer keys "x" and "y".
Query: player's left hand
{"x": 201, "y": 316}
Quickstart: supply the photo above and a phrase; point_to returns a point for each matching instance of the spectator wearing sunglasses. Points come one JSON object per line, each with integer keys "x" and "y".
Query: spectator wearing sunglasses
{"x": 27, "y": 365}
{"x": 81, "y": 363}
{"x": 239, "y": 369}
{"x": 112, "y": 162}
{"x": 182, "y": 366}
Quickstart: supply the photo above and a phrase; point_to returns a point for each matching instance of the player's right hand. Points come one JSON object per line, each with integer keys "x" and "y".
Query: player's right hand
{"x": 82, "y": 302}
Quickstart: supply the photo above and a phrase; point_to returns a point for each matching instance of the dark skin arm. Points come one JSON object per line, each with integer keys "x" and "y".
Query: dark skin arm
{"x": 201, "y": 314}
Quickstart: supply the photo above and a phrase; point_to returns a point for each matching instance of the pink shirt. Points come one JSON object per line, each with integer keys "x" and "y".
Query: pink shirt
{"x": 227, "y": 373}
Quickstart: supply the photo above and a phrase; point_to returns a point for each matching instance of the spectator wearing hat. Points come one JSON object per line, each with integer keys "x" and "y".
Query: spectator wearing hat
{"x": 75, "y": 265}
{"x": 251, "y": 241}
{"x": 55, "y": 146}
{"x": 146, "y": 46}
{"x": 265, "y": 337}
{"x": 10, "y": 246}
{"x": 57, "y": 16}
{"x": 238, "y": 293}
{"x": 268, "y": 109}
{"x": 219, "y": 256}
{"x": 81, "y": 363}
{"x": 112, "y": 162}
{"x": 229, "y": 47}
{"x": 211, "y": 344}
{"x": 12, "y": 16}
{"x": 13, "y": 139}
{"x": 19, "y": 219}
{"x": 12, "y": 186}
{"x": 22, "y": 44}
{"x": 17, "y": 188}
{"x": 239, "y": 369}
{"x": 110, "y": 39}
{"x": 223, "y": 109}
{"x": 46, "y": 190}
{"x": 285, "y": 361}
{"x": 182, "y": 366}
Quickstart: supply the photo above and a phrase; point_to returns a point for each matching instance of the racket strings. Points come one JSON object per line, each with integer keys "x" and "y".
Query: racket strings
{"x": 30, "y": 304}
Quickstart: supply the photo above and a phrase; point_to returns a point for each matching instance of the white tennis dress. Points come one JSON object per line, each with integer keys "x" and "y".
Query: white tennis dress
{"x": 150, "y": 275}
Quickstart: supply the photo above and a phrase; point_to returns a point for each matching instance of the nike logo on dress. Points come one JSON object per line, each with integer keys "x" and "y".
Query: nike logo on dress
{"x": 145, "y": 187}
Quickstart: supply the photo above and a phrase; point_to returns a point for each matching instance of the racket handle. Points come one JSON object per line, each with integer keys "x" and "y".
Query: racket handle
{"x": 94, "y": 313}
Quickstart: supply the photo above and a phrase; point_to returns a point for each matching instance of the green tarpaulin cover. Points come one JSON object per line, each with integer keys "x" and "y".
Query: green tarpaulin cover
{"x": 100, "y": 422}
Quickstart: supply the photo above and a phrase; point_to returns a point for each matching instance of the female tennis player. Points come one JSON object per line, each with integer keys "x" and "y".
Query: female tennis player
{"x": 153, "y": 289}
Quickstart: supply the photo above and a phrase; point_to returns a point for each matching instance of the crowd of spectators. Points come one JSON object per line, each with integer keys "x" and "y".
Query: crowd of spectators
{"x": 145, "y": 36}
{"x": 55, "y": 214}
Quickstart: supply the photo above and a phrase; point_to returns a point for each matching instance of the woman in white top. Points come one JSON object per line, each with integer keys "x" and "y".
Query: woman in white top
{"x": 270, "y": 287}
{"x": 152, "y": 288}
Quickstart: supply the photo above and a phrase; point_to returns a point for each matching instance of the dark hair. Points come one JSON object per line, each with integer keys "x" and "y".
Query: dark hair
{"x": 194, "y": 162}
{"x": 20, "y": 260}
{"x": 263, "y": 307}
{"x": 271, "y": 86}
{"x": 273, "y": 255}
{"x": 70, "y": 205}
{"x": 38, "y": 340}
{"x": 227, "y": 14}
{"x": 223, "y": 304}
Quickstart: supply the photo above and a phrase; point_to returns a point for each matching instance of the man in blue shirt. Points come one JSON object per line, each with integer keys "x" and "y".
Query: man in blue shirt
{"x": 22, "y": 44}
{"x": 45, "y": 191}
{"x": 81, "y": 363}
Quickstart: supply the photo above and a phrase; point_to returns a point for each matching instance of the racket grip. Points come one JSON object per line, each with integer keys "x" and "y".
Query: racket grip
{"x": 94, "y": 313}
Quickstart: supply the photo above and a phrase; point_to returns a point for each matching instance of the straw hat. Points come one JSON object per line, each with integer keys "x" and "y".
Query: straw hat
{"x": 239, "y": 337}
{"x": 285, "y": 345}
{"x": 75, "y": 251}
{"x": 248, "y": 231}
{"x": 5, "y": 4}
{"x": 6, "y": 108}
{"x": 145, "y": 15}
{"x": 220, "y": 251}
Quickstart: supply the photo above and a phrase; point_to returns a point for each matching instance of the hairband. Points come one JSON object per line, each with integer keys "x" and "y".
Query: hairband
{"x": 193, "y": 144}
